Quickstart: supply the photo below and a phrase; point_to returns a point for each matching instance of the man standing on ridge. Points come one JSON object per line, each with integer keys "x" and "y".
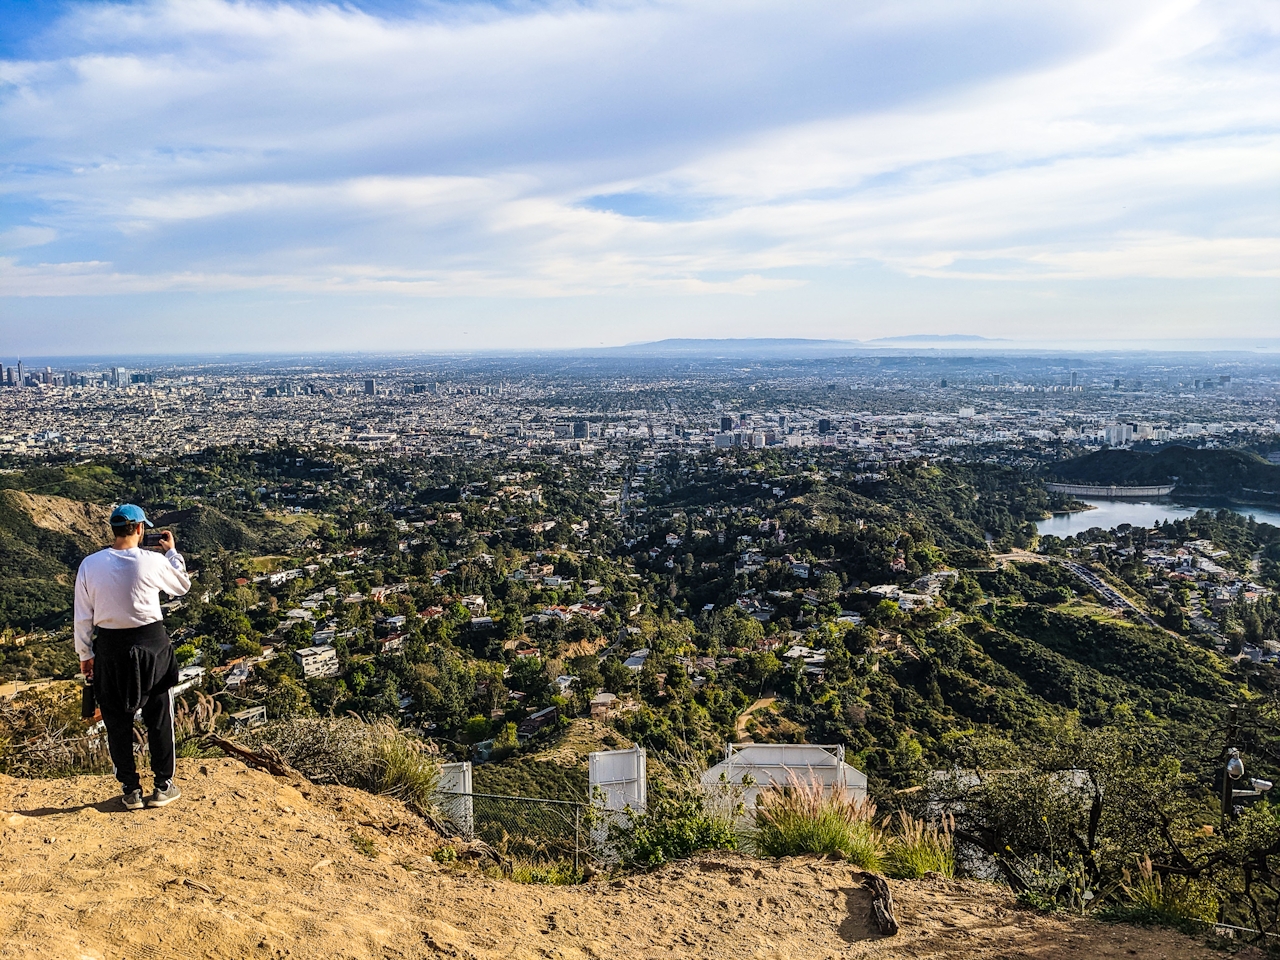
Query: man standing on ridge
{"x": 130, "y": 660}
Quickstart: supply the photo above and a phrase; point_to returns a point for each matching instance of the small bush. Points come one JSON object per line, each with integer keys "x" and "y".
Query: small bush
{"x": 800, "y": 819}
{"x": 558, "y": 873}
{"x": 190, "y": 723}
{"x": 919, "y": 848}
{"x": 42, "y": 735}
{"x": 324, "y": 750}
{"x": 375, "y": 757}
{"x": 1168, "y": 901}
{"x": 1052, "y": 884}
{"x": 673, "y": 828}
{"x": 400, "y": 769}
{"x": 364, "y": 845}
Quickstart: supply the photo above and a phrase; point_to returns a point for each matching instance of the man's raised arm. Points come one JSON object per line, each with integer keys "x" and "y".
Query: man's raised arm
{"x": 173, "y": 579}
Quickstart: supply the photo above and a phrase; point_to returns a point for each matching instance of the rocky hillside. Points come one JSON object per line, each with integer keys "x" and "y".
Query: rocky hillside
{"x": 246, "y": 865}
{"x": 42, "y": 540}
{"x": 82, "y": 521}
{"x": 44, "y": 536}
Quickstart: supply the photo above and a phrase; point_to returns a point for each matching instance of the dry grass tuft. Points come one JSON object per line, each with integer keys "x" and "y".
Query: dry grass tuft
{"x": 372, "y": 756}
{"x": 800, "y": 818}
{"x": 918, "y": 848}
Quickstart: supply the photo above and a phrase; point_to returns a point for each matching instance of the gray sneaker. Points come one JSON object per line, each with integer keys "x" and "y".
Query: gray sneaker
{"x": 164, "y": 794}
{"x": 132, "y": 799}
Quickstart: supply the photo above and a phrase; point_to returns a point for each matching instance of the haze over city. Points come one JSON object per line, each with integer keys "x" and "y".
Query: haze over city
{"x": 214, "y": 176}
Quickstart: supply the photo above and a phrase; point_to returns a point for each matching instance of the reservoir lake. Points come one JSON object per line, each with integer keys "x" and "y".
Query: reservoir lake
{"x": 1145, "y": 513}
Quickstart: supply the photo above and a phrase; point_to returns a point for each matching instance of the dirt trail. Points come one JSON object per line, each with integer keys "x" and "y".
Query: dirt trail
{"x": 1019, "y": 556}
{"x": 247, "y": 866}
{"x": 764, "y": 703}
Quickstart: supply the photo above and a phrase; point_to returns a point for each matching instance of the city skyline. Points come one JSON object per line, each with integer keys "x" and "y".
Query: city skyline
{"x": 267, "y": 178}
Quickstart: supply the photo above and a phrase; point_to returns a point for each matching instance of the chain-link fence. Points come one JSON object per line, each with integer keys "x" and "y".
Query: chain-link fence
{"x": 523, "y": 828}
{"x": 535, "y": 829}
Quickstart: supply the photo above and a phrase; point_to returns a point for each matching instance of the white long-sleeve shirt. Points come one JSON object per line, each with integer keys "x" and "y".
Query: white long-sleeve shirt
{"x": 118, "y": 589}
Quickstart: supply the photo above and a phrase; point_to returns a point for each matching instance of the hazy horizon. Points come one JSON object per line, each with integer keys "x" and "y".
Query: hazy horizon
{"x": 1262, "y": 349}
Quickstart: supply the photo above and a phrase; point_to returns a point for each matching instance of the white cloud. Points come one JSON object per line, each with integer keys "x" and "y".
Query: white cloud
{"x": 206, "y": 145}
{"x": 16, "y": 238}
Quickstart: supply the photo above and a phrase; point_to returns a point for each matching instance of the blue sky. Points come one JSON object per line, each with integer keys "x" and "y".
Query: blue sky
{"x": 207, "y": 175}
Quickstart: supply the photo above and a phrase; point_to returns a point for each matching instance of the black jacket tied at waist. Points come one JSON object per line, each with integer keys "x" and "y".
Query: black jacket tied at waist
{"x": 131, "y": 665}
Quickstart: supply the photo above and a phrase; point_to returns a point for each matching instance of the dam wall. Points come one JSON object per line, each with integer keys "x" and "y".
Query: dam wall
{"x": 1111, "y": 492}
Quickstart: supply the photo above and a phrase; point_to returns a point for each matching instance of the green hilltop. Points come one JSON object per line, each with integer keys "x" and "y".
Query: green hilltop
{"x": 1233, "y": 474}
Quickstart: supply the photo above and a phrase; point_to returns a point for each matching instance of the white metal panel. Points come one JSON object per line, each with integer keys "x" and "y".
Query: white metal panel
{"x": 619, "y": 779}
{"x": 765, "y": 764}
{"x": 453, "y": 794}
{"x": 619, "y": 787}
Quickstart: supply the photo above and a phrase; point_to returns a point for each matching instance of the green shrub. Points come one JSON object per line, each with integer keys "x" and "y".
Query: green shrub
{"x": 475, "y": 729}
{"x": 801, "y": 819}
{"x": 399, "y": 768}
{"x": 364, "y": 845}
{"x": 673, "y": 828}
{"x": 1168, "y": 901}
{"x": 558, "y": 873}
{"x": 244, "y": 647}
{"x": 505, "y": 743}
{"x": 919, "y": 848}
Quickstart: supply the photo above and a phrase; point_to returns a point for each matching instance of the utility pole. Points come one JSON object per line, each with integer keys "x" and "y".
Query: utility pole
{"x": 1233, "y": 773}
{"x": 1231, "y": 754}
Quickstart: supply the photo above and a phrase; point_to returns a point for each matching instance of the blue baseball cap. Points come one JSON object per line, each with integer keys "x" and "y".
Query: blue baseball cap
{"x": 128, "y": 513}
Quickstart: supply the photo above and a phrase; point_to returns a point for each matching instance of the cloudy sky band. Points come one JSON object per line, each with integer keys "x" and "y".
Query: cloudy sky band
{"x": 846, "y": 158}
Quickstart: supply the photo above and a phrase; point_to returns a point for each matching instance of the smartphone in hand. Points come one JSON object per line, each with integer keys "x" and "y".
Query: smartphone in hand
{"x": 89, "y": 711}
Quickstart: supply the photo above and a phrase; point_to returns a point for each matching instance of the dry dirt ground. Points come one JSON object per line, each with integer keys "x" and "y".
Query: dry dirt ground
{"x": 764, "y": 703}
{"x": 249, "y": 866}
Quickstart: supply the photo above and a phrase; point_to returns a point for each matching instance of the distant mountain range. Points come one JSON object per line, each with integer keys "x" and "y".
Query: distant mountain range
{"x": 788, "y": 346}
{"x": 738, "y": 346}
{"x": 708, "y": 347}
{"x": 939, "y": 338}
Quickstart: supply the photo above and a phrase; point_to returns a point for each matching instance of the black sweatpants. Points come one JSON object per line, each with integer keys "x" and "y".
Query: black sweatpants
{"x": 135, "y": 670}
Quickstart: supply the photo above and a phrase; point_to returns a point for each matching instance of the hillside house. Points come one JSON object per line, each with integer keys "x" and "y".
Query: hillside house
{"x": 250, "y": 717}
{"x": 604, "y": 705}
{"x": 536, "y": 721}
{"x": 318, "y": 661}
{"x": 238, "y": 676}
